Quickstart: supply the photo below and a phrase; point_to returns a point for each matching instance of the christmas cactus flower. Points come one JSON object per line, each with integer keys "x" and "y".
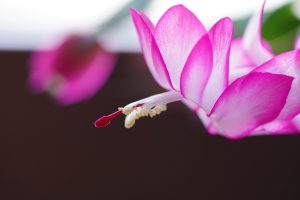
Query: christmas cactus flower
{"x": 73, "y": 71}
{"x": 180, "y": 55}
{"x": 192, "y": 65}
{"x": 252, "y": 54}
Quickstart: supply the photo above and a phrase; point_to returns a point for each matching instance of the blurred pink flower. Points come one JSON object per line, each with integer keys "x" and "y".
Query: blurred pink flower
{"x": 73, "y": 71}
{"x": 192, "y": 65}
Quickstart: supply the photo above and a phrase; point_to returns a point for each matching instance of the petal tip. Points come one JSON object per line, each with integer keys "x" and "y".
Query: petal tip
{"x": 132, "y": 10}
{"x": 134, "y": 13}
{"x": 227, "y": 19}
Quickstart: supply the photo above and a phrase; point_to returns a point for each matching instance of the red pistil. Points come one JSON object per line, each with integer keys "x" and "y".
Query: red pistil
{"x": 105, "y": 120}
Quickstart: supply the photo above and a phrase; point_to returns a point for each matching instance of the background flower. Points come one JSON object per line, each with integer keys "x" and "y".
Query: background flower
{"x": 73, "y": 71}
{"x": 78, "y": 66}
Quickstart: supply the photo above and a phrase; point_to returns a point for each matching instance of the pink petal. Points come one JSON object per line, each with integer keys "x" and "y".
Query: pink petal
{"x": 279, "y": 128}
{"x": 41, "y": 70}
{"x": 289, "y": 128}
{"x": 207, "y": 122}
{"x": 287, "y": 64}
{"x": 296, "y": 123}
{"x": 283, "y": 129}
{"x": 252, "y": 40}
{"x": 176, "y": 34}
{"x": 249, "y": 102}
{"x": 238, "y": 56}
{"x": 297, "y": 44}
{"x": 237, "y": 73}
{"x": 191, "y": 105}
{"x": 197, "y": 70}
{"x": 89, "y": 81}
{"x": 150, "y": 49}
{"x": 240, "y": 63}
{"x": 145, "y": 19}
{"x": 220, "y": 35}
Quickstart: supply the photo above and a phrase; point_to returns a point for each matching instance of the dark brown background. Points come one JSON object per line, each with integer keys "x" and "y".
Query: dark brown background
{"x": 52, "y": 152}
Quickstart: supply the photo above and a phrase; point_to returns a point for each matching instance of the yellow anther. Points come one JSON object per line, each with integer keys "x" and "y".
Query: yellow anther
{"x": 134, "y": 114}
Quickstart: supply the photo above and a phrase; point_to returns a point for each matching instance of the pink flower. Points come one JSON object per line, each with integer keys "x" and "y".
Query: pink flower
{"x": 252, "y": 54}
{"x": 193, "y": 66}
{"x": 73, "y": 71}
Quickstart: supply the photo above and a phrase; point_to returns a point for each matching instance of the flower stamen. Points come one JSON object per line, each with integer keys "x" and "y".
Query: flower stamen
{"x": 106, "y": 119}
{"x": 143, "y": 112}
{"x": 148, "y": 107}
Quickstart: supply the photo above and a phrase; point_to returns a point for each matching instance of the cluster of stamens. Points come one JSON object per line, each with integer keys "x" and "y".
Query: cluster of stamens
{"x": 148, "y": 107}
{"x": 135, "y": 113}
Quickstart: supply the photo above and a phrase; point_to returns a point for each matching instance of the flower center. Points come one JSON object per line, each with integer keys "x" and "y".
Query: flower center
{"x": 150, "y": 106}
{"x": 75, "y": 55}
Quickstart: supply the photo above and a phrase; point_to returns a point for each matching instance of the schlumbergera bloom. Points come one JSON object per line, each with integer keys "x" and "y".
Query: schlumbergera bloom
{"x": 72, "y": 71}
{"x": 252, "y": 53}
{"x": 193, "y": 66}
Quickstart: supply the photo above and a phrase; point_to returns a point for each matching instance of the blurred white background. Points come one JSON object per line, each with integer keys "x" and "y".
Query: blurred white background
{"x": 26, "y": 24}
